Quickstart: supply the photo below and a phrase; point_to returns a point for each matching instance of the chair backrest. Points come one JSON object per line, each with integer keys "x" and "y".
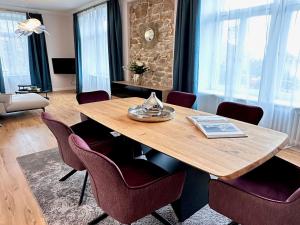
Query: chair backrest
{"x": 62, "y": 132}
{"x": 93, "y": 96}
{"x": 183, "y": 99}
{"x": 108, "y": 183}
{"x": 237, "y": 111}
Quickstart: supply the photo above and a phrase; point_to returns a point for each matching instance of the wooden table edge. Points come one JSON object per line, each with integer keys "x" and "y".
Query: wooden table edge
{"x": 249, "y": 168}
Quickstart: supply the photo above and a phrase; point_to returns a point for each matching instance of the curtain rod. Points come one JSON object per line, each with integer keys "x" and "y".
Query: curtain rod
{"x": 91, "y": 7}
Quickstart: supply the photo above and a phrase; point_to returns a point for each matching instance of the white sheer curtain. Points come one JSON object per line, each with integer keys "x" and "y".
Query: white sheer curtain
{"x": 250, "y": 52}
{"x": 13, "y": 52}
{"x": 94, "y": 49}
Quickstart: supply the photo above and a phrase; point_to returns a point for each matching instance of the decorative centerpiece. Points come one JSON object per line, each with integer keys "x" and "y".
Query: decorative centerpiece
{"x": 153, "y": 105}
{"x": 138, "y": 69}
{"x": 152, "y": 110}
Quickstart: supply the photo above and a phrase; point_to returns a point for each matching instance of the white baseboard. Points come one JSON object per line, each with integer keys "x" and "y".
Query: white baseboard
{"x": 64, "y": 89}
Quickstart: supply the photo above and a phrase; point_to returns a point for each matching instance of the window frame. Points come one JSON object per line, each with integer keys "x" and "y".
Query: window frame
{"x": 242, "y": 16}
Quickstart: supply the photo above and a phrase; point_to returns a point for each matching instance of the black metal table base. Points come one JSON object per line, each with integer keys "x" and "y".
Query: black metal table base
{"x": 98, "y": 219}
{"x": 160, "y": 218}
{"x": 195, "y": 191}
{"x": 233, "y": 223}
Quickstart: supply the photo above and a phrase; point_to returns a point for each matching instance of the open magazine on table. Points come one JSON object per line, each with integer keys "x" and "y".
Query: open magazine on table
{"x": 216, "y": 127}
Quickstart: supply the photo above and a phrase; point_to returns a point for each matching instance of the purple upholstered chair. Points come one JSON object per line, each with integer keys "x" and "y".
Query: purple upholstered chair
{"x": 93, "y": 96}
{"x": 127, "y": 191}
{"x": 237, "y": 111}
{"x": 183, "y": 99}
{"x": 241, "y": 112}
{"x": 89, "y": 97}
{"x": 268, "y": 195}
{"x": 89, "y": 131}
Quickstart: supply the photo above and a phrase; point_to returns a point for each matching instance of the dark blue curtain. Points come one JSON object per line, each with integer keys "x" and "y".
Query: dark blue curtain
{"x": 186, "y": 41}
{"x": 115, "y": 45}
{"x": 77, "y": 44}
{"x": 38, "y": 58}
{"x": 2, "y": 88}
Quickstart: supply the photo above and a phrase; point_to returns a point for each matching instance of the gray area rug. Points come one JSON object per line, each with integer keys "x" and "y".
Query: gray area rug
{"x": 58, "y": 200}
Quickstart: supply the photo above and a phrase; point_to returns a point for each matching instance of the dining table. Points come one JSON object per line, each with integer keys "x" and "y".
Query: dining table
{"x": 178, "y": 143}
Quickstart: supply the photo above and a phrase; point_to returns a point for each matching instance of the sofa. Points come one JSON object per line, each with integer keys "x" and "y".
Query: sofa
{"x": 21, "y": 102}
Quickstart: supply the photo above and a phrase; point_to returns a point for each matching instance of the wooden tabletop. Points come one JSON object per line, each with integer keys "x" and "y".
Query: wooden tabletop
{"x": 158, "y": 88}
{"x": 227, "y": 158}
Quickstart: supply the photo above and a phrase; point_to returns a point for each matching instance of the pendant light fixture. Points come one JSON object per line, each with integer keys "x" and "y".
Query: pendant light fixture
{"x": 30, "y": 26}
{"x": 27, "y": 27}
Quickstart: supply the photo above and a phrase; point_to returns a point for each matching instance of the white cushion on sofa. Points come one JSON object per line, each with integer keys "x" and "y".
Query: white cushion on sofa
{"x": 5, "y": 98}
{"x": 29, "y": 101}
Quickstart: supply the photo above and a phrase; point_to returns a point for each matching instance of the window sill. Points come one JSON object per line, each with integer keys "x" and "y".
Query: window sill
{"x": 251, "y": 99}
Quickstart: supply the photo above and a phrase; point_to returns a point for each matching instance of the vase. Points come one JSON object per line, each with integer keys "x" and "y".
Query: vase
{"x": 141, "y": 78}
{"x": 137, "y": 78}
{"x": 153, "y": 104}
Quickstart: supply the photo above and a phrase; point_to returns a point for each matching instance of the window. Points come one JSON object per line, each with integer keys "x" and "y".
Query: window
{"x": 244, "y": 4}
{"x": 13, "y": 52}
{"x": 290, "y": 79}
{"x": 249, "y": 52}
{"x": 94, "y": 49}
{"x": 250, "y": 49}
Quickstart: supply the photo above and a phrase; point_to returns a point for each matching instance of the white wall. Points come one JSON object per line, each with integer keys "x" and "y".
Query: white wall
{"x": 60, "y": 44}
{"x": 124, "y": 6}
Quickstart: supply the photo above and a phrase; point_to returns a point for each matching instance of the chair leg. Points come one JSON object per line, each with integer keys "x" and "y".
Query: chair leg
{"x": 98, "y": 219}
{"x": 68, "y": 175}
{"x": 233, "y": 223}
{"x": 83, "y": 188}
{"x": 160, "y": 218}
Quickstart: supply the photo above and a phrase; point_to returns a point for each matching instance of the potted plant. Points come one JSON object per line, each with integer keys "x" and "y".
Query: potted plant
{"x": 138, "y": 68}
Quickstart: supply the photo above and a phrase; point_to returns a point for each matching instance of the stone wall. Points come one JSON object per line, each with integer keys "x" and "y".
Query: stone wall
{"x": 159, "y": 57}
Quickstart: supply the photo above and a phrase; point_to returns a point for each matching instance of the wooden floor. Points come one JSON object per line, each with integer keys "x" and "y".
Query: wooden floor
{"x": 22, "y": 134}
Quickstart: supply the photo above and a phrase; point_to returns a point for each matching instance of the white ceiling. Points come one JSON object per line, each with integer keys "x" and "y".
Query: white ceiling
{"x": 51, "y": 5}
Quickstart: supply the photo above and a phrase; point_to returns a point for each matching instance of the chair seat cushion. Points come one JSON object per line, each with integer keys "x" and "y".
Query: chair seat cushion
{"x": 29, "y": 101}
{"x": 266, "y": 196}
{"x": 95, "y": 135}
{"x": 275, "y": 180}
{"x": 140, "y": 172}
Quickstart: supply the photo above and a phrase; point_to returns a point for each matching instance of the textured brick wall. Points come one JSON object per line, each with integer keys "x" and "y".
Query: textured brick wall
{"x": 160, "y": 56}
